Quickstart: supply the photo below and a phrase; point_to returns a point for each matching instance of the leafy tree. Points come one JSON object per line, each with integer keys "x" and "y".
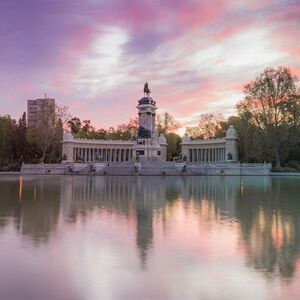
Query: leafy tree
{"x": 7, "y": 134}
{"x": 166, "y": 123}
{"x": 269, "y": 104}
{"x": 49, "y": 131}
{"x": 174, "y": 147}
{"x": 20, "y": 143}
{"x": 87, "y": 127}
{"x": 75, "y": 125}
{"x": 128, "y": 131}
{"x": 251, "y": 146}
{"x": 210, "y": 126}
{"x": 194, "y": 132}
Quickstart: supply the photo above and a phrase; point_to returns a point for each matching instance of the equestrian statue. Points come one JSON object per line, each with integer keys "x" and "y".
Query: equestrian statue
{"x": 146, "y": 90}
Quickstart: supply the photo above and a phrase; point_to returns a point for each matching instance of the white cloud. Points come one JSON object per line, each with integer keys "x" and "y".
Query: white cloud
{"x": 100, "y": 67}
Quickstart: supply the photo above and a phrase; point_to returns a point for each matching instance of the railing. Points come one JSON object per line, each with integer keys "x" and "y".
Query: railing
{"x": 101, "y": 142}
{"x": 228, "y": 164}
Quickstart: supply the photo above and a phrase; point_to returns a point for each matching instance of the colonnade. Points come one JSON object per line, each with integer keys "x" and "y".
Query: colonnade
{"x": 207, "y": 154}
{"x": 89, "y": 154}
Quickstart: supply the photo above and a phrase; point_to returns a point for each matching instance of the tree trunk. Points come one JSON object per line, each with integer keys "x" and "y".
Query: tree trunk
{"x": 276, "y": 149}
{"x": 277, "y": 157}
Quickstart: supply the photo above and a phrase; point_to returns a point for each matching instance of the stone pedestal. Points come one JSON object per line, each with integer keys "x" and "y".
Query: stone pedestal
{"x": 148, "y": 145}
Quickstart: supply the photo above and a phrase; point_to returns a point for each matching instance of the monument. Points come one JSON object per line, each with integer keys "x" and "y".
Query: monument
{"x": 146, "y": 154}
{"x": 148, "y": 144}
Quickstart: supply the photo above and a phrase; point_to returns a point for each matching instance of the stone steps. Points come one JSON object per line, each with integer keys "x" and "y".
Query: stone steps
{"x": 153, "y": 167}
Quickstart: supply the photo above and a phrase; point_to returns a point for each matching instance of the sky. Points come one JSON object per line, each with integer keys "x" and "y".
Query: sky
{"x": 94, "y": 56}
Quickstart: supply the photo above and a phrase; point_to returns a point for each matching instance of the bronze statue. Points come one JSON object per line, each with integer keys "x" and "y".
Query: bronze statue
{"x": 146, "y": 89}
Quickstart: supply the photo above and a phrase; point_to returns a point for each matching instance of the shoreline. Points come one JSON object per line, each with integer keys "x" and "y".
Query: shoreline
{"x": 274, "y": 174}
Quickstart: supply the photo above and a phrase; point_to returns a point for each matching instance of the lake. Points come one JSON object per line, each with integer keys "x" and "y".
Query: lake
{"x": 91, "y": 238}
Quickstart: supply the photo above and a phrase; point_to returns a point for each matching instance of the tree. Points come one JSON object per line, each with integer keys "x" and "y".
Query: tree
{"x": 75, "y": 125}
{"x": 210, "y": 125}
{"x": 128, "y": 131}
{"x": 251, "y": 145}
{"x": 166, "y": 123}
{"x": 194, "y": 132}
{"x": 49, "y": 130}
{"x": 87, "y": 127}
{"x": 20, "y": 140}
{"x": 174, "y": 147}
{"x": 7, "y": 135}
{"x": 267, "y": 104}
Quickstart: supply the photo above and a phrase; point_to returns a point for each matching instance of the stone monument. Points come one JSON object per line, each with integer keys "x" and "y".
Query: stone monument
{"x": 148, "y": 144}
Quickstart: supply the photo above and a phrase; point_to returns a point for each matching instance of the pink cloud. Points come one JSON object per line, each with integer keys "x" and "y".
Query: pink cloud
{"x": 43, "y": 46}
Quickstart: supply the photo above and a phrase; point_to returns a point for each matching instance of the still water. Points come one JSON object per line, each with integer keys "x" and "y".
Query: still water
{"x": 91, "y": 238}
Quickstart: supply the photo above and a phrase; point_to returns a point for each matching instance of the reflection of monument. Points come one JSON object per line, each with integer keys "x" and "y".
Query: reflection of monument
{"x": 144, "y": 228}
{"x": 263, "y": 211}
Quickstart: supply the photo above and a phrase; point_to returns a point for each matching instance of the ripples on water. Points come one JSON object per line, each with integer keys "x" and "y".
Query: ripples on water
{"x": 132, "y": 238}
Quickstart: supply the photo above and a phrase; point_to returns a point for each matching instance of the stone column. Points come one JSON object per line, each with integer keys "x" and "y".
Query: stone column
{"x": 105, "y": 154}
{"x": 120, "y": 154}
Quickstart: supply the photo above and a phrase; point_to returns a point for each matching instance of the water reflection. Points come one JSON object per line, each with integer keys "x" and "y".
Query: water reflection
{"x": 270, "y": 226}
{"x": 34, "y": 214}
{"x": 264, "y": 211}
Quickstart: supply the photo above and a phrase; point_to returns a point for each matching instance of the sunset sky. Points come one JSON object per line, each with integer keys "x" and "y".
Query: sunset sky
{"x": 95, "y": 55}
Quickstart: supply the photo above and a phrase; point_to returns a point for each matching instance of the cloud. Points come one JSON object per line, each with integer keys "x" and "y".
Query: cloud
{"x": 94, "y": 54}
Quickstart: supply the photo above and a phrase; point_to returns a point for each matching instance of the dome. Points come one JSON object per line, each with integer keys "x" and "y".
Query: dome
{"x": 231, "y": 132}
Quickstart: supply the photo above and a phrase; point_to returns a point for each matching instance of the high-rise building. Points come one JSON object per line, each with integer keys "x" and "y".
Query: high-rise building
{"x": 40, "y": 112}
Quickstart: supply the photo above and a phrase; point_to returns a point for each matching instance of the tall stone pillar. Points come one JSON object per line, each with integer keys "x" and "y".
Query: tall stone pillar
{"x": 67, "y": 147}
{"x": 231, "y": 150}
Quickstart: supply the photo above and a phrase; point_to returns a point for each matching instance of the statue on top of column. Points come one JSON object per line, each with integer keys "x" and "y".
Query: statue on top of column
{"x": 146, "y": 89}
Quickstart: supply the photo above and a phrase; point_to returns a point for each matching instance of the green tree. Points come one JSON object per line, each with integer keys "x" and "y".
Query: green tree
{"x": 87, "y": 127}
{"x": 7, "y": 135}
{"x": 19, "y": 144}
{"x": 174, "y": 147}
{"x": 267, "y": 104}
{"x": 75, "y": 125}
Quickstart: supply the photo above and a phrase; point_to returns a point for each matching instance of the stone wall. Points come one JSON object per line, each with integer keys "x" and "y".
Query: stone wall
{"x": 148, "y": 168}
